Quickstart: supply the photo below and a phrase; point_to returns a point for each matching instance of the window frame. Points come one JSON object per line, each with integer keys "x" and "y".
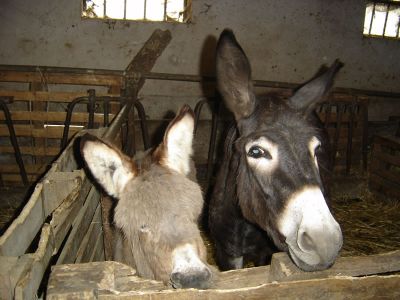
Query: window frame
{"x": 388, "y": 4}
{"x": 186, "y": 19}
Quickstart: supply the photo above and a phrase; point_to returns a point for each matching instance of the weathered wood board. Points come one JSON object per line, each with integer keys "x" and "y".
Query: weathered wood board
{"x": 385, "y": 166}
{"x": 281, "y": 280}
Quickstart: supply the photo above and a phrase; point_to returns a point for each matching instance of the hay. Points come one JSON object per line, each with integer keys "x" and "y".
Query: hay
{"x": 370, "y": 225}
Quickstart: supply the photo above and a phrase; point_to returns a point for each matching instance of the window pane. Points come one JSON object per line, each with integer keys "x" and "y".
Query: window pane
{"x": 115, "y": 9}
{"x": 392, "y": 22}
{"x": 94, "y": 9}
{"x": 135, "y": 9}
{"x": 175, "y": 10}
{"x": 378, "y": 21}
{"x": 368, "y": 15}
{"x": 155, "y": 10}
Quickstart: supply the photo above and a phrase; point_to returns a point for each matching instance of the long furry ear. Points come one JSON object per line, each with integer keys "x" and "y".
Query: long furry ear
{"x": 176, "y": 149}
{"x": 313, "y": 92}
{"x": 234, "y": 76}
{"x": 108, "y": 165}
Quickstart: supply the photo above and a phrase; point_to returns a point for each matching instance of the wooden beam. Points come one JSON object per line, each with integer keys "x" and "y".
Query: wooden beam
{"x": 28, "y": 131}
{"x": 59, "y": 78}
{"x": 51, "y": 96}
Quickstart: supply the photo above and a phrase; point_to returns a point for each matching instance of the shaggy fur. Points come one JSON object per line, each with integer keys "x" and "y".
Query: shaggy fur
{"x": 247, "y": 202}
{"x": 158, "y": 206}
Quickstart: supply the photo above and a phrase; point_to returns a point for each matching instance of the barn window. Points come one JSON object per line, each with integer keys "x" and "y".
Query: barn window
{"x": 382, "y": 19}
{"x": 140, "y": 10}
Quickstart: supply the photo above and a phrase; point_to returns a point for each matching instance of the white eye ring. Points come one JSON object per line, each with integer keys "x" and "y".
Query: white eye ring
{"x": 313, "y": 145}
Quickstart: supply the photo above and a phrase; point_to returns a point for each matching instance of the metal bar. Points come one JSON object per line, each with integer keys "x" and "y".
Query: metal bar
{"x": 340, "y": 111}
{"x": 386, "y": 17}
{"x": 145, "y": 9}
{"x": 112, "y": 131}
{"x": 398, "y": 27}
{"x": 165, "y": 10}
{"x": 143, "y": 124}
{"x": 106, "y": 110}
{"x": 68, "y": 118}
{"x": 124, "y": 9}
{"x": 352, "y": 107}
{"x": 14, "y": 142}
{"x": 372, "y": 18}
{"x": 365, "y": 135}
{"x": 91, "y": 107}
{"x": 104, "y": 8}
{"x": 197, "y": 111}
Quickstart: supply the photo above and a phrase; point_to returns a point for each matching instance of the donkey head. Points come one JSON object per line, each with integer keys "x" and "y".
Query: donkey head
{"x": 158, "y": 205}
{"x": 279, "y": 185}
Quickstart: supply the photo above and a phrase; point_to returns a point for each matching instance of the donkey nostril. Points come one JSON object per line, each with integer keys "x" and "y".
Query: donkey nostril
{"x": 305, "y": 242}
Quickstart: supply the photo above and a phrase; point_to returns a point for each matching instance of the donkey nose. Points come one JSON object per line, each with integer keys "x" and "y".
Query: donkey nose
{"x": 305, "y": 242}
{"x": 324, "y": 242}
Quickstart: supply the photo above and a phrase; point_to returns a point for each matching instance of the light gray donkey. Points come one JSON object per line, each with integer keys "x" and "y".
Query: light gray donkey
{"x": 159, "y": 204}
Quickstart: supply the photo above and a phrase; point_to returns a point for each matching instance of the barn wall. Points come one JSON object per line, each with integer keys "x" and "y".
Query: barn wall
{"x": 285, "y": 41}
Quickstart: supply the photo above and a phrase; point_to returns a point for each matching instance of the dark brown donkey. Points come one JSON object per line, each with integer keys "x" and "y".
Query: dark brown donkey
{"x": 158, "y": 207}
{"x": 269, "y": 194}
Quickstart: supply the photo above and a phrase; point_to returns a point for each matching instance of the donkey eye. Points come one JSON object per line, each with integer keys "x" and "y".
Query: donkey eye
{"x": 258, "y": 152}
{"x": 317, "y": 149}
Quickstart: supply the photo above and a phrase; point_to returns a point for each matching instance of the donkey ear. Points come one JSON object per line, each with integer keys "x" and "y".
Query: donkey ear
{"x": 314, "y": 91}
{"x": 176, "y": 150}
{"x": 234, "y": 76}
{"x": 108, "y": 165}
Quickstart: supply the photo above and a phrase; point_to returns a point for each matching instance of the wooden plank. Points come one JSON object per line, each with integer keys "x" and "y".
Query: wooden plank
{"x": 64, "y": 215}
{"x": 393, "y": 159}
{"x": 79, "y": 228}
{"x": 388, "y": 141}
{"x": 53, "y": 116}
{"x": 16, "y": 178}
{"x": 389, "y": 175}
{"x": 98, "y": 251}
{"x": 101, "y": 275}
{"x": 51, "y": 96}
{"x": 283, "y": 269}
{"x": 29, "y": 283}
{"x": 24, "y": 228}
{"x": 11, "y": 271}
{"x": 29, "y": 131}
{"x": 384, "y": 186}
{"x": 30, "y": 150}
{"x": 103, "y": 280}
{"x": 60, "y": 78}
{"x": 87, "y": 247}
{"x": 58, "y": 186}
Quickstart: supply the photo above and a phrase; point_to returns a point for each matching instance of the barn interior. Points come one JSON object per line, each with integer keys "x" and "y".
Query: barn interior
{"x": 71, "y": 66}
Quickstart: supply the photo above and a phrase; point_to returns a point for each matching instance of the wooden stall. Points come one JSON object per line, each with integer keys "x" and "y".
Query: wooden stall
{"x": 384, "y": 177}
{"x": 37, "y": 98}
{"x": 61, "y": 223}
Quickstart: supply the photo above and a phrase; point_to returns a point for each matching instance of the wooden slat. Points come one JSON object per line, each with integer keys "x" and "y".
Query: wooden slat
{"x": 51, "y": 78}
{"x": 388, "y": 141}
{"x": 393, "y": 159}
{"x": 50, "y": 96}
{"x": 31, "y": 150}
{"x": 87, "y": 248}
{"x": 30, "y": 168}
{"x": 385, "y": 186}
{"x": 28, "y": 131}
{"x": 14, "y": 178}
{"x": 53, "y": 116}
{"x": 79, "y": 228}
